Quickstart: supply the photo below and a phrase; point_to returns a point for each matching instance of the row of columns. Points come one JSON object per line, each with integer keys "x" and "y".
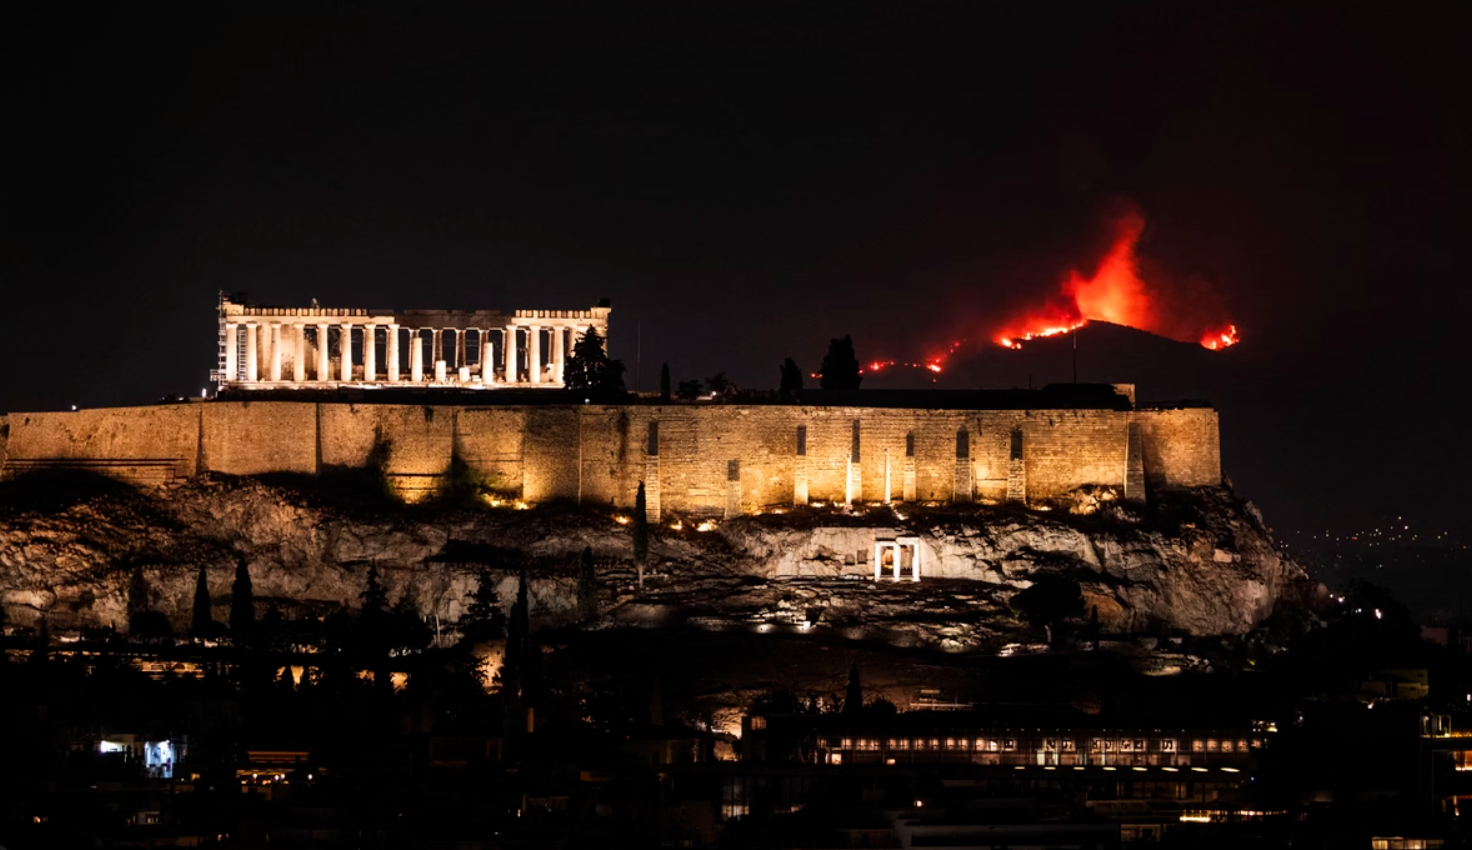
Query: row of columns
{"x": 264, "y": 343}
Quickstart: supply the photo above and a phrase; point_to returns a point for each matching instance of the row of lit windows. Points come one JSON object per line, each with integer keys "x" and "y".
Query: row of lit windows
{"x": 1066, "y": 745}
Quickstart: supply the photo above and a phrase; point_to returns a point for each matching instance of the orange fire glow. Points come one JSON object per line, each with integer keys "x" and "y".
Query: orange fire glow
{"x": 1115, "y": 293}
{"x": 1217, "y": 340}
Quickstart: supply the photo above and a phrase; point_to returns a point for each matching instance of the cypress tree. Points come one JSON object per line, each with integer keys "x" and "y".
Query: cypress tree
{"x": 517, "y": 629}
{"x": 374, "y": 596}
{"x": 853, "y": 699}
{"x": 791, "y": 380}
{"x": 664, "y": 382}
{"x": 641, "y": 532}
{"x": 242, "y": 603}
{"x": 200, "y": 625}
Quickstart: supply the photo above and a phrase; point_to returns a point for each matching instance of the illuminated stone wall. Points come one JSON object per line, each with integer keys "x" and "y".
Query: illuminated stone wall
{"x": 600, "y": 453}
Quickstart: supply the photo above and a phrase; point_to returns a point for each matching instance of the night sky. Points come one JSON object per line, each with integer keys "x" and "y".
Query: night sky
{"x": 746, "y": 181}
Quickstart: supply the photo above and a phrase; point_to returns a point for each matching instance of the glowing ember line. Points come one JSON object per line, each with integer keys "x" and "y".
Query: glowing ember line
{"x": 1016, "y": 341}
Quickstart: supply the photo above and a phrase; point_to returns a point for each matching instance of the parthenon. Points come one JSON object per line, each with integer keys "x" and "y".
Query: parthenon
{"x": 312, "y": 347}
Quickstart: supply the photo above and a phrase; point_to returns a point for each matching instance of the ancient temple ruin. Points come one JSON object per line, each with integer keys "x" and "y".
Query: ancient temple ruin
{"x": 314, "y": 347}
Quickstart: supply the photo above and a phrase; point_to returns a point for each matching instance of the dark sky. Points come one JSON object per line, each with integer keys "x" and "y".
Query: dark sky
{"x": 745, "y": 181}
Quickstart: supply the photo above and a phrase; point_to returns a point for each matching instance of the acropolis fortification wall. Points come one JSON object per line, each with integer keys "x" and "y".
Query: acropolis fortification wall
{"x": 696, "y": 459}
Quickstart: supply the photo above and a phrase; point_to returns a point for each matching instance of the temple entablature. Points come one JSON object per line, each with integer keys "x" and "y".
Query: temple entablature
{"x": 318, "y": 347}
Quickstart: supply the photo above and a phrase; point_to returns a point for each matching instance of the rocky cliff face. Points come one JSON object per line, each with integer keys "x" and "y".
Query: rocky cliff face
{"x": 1200, "y": 562}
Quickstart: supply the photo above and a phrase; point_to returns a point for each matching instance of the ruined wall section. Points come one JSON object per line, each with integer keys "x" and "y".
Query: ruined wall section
{"x": 253, "y": 438}
{"x": 1182, "y": 447}
{"x": 4, "y": 439}
{"x": 599, "y": 454}
{"x": 146, "y": 445}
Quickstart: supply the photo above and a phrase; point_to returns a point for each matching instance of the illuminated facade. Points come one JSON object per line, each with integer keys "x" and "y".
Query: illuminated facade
{"x": 318, "y": 347}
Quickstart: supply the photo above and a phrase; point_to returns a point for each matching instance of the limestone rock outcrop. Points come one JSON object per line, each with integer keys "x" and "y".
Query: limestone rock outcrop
{"x": 1199, "y": 562}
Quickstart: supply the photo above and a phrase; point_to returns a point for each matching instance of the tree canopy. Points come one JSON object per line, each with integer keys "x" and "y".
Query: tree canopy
{"x": 791, "y": 380}
{"x": 1049, "y": 600}
{"x": 588, "y": 368}
{"x": 840, "y": 366}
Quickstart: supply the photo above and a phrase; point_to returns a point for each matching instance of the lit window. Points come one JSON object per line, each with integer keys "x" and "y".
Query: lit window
{"x": 846, "y": 744}
{"x": 1212, "y": 745}
{"x": 1167, "y": 745}
{"x": 758, "y": 723}
{"x": 1069, "y": 745}
{"x": 935, "y": 743}
{"x": 1227, "y": 746}
{"x": 1198, "y": 746}
{"x": 1242, "y": 745}
{"x": 1010, "y": 744}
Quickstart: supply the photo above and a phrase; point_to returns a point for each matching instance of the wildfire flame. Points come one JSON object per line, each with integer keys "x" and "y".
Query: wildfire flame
{"x": 1217, "y": 340}
{"x": 1115, "y": 293}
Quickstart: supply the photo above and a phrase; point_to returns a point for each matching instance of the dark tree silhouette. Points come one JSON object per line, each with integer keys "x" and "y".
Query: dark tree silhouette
{"x": 517, "y": 630}
{"x": 242, "y": 603}
{"x": 483, "y": 620}
{"x": 1049, "y": 600}
{"x": 588, "y": 367}
{"x": 689, "y": 390}
{"x": 202, "y": 624}
{"x": 840, "y": 366}
{"x": 791, "y": 380}
{"x": 641, "y": 526}
{"x": 407, "y": 628}
{"x": 853, "y": 698}
{"x": 719, "y": 384}
{"x": 664, "y": 382}
{"x": 587, "y": 586}
{"x": 271, "y": 628}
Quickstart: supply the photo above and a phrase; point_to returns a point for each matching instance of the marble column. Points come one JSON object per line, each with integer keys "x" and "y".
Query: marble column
{"x": 509, "y": 350}
{"x": 252, "y": 368}
{"x": 232, "y": 352}
{"x": 534, "y": 353}
{"x": 559, "y": 345}
{"x": 487, "y": 366}
{"x": 263, "y": 351}
{"x": 370, "y": 353}
{"x": 345, "y": 354}
{"x": 460, "y": 359}
{"x": 436, "y": 345}
{"x": 299, "y": 360}
{"x": 393, "y": 353}
{"x": 275, "y": 351}
{"x": 324, "y": 357}
{"x": 416, "y": 356}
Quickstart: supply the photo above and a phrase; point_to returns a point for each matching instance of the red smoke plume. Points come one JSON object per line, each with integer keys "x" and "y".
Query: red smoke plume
{"x": 1116, "y": 292}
